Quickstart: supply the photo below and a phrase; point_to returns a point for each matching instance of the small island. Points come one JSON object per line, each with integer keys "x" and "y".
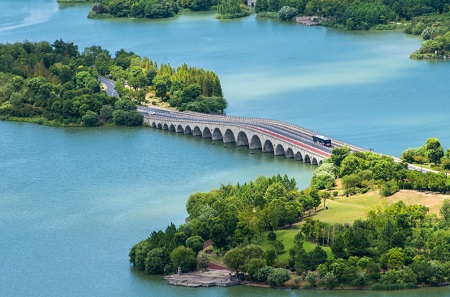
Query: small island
{"x": 150, "y": 9}
{"x": 57, "y": 85}
{"x": 357, "y": 225}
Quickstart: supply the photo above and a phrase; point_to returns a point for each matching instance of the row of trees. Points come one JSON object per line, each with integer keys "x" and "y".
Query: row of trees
{"x": 185, "y": 88}
{"x": 431, "y": 152}
{"x": 152, "y": 9}
{"x": 395, "y": 247}
{"x": 361, "y": 172}
{"x": 235, "y": 215}
{"x": 355, "y": 15}
{"x": 433, "y": 28}
{"x": 231, "y": 9}
{"x": 58, "y": 84}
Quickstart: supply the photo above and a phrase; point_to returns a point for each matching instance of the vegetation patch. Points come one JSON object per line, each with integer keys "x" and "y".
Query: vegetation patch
{"x": 271, "y": 233}
{"x": 57, "y": 85}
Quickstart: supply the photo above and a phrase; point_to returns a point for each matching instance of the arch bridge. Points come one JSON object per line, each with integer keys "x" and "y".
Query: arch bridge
{"x": 281, "y": 139}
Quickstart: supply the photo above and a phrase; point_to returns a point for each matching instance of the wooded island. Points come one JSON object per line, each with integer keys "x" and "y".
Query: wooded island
{"x": 266, "y": 232}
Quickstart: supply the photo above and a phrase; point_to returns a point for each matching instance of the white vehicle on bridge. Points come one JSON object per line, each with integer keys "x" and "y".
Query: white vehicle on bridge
{"x": 322, "y": 140}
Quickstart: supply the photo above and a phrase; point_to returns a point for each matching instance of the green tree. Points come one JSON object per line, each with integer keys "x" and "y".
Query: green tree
{"x": 286, "y": 13}
{"x": 312, "y": 277}
{"x": 184, "y": 258}
{"x": 90, "y": 119}
{"x": 155, "y": 261}
{"x": 445, "y": 212}
{"x": 279, "y": 276}
{"x": 195, "y": 243}
{"x": 235, "y": 259}
{"x": 252, "y": 266}
{"x": 434, "y": 150}
{"x": 330, "y": 280}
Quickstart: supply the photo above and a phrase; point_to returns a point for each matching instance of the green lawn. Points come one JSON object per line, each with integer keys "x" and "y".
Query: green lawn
{"x": 287, "y": 236}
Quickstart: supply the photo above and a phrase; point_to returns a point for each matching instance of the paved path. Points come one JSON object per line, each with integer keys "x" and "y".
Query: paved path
{"x": 109, "y": 86}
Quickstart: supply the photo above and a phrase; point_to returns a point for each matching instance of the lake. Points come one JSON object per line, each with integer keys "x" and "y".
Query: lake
{"x": 74, "y": 200}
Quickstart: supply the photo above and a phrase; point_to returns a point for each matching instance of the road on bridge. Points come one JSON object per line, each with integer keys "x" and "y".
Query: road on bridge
{"x": 281, "y": 130}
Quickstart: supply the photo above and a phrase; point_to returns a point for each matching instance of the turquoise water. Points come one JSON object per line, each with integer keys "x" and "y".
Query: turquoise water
{"x": 73, "y": 201}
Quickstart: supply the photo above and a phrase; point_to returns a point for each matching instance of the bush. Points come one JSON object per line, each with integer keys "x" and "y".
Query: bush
{"x": 330, "y": 280}
{"x": 312, "y": 277}
{"x": 286, "y": 13}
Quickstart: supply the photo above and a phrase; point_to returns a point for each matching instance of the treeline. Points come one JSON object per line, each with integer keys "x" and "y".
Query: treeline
{"x": 431, "y": 152}
{"x": 357, "y": 15}
{"x": 434, "y": 29}
{"x": 361, "y": 172}
{"x": 396, "y": 247}
{"x": 185, "y": 88}
{"x": 55, "y": 84}
{"x": 152, "y": 9}
{"x": 231, "y": 9}
{"x": 236, "y": 215}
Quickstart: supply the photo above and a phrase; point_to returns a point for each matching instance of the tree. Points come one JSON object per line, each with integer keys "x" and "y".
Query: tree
{"x": 312, "y": 277}
{"x": 338, "y": 154}
{"x": 184, "y": 258}
{"x": 235, "y": 259}
{"x": 155, "y": 261}
{"x": 317, "y": 256}
{"x": 252, "y": 266}
{"x": 279, "y": 276}
{"x": 286, "y": 13}
{"x": 330, "y": 280}
{"x": 394, "y": 258}
{"x": 203, "y": 259}
{"x": 195, "y": 243}
{"x": 325, "y": 195}
{"x": 434, "y": 150}
{"x": 262, "y": 273}
{"x": 90, "y": 119}
{"x": 445, "y": 212}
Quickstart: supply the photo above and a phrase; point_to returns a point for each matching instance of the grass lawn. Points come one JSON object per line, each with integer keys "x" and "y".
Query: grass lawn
{"x": 346, "y": 210}
{"x": 287, "y": 237}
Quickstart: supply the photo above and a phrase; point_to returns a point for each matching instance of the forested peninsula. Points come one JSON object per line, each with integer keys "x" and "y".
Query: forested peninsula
{"x": 56, "y": 84}
{"x": 269, "y": 232}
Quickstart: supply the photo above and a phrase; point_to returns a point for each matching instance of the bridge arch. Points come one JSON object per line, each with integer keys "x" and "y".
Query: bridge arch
{"x": 289, "y": 153}
{"x": 153, "y": 125}
{"x": 180, "y": 129}
{"x": 298, "y": 156}
{"x": 172, "y": 128}
{"x": 307, "y": 159}
{"x": 242, "y": 139}
{"x": 228, "y": 136}
{"x": 217, "y": 134}
{"x": 279, "y": 150}
{"x": 187, "y": 130}
{"x": 159, "y": 126}
{"x": 314, "y": 161}
{"x": 268, "y": 147}
{"x": 165, "y": 127}
{"x": 197, "y": 131}
{"x": 206, "y": 133}
{"x": 255, "y": 143}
